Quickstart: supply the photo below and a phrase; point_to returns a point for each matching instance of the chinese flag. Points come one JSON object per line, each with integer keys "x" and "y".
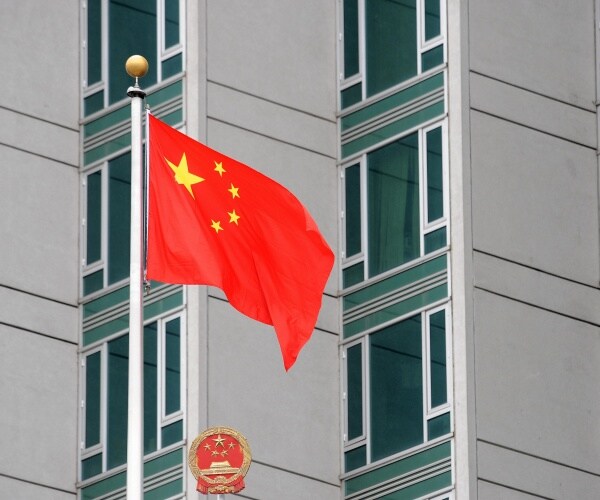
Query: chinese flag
{"x": 215, "y": 221}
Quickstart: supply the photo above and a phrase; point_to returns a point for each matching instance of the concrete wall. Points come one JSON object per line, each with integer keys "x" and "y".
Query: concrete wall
{"x": 39, "y": 203}
{"x": 263, "y": 90}
{"x": 530, "y": 168}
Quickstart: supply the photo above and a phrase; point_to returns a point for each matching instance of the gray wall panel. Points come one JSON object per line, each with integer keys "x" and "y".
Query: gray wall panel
{"x": 536, "y": 380}
{"x": 281, "y": 50}
{"x": 290, "y": 419}
{"x": 38, "y": 421}
{"x": 15, "y": 489}
{"x": 529, "y": 474}
{"x": 39, "y": 202}
{"x": 546, "y": 46}
{"x": 535, "y": 199}
{"x": 489, "y": 491}
{"x": 40, "y": 59}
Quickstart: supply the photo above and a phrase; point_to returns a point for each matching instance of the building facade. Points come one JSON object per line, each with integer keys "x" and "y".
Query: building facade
{"x": 447, "y": 150}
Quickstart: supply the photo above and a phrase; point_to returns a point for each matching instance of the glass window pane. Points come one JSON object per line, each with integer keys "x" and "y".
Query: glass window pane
{"x": 94, "y": 41}
{"x": 93, "y": 103}
{"x": 437, "y": 348}
{"x": 132, "y": 30}
{"x": 435, "y": 240}
{"x": 435, "y": 181}
{"x": 396, "y": 386}
{"x": 391, "y": 45}
{"x": 119, "y": 210}
{"x": 355, "y": 458}
{"x": 93, "y": 217}
{"x": 351, "y": 95}
{"x": 350, "y": 37}
{"x": 91, "y": 466}
{"x": 393, "y": 205}
{"x": 354, "y": 391}
{"x": 116, "y": 415}
{"x": 171, "y": 23}
{"x": 432, "y": 58}
{"x": 150, "y": 388}
{"x": 173, "y": 366}
{"x": 172, "y": 66}
{"x": 172, "y": 433}
{"x": 93, "y": 282}
{"x": 353, "y": 274}
{"x": 352, "y": 212}
{"x": 438, "y": 426}
{"x": 92, "y": 399}
{"x": 432, "y": 19}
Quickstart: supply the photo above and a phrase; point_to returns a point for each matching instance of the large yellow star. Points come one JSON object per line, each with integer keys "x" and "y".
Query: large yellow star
{"x": 183, "y": 175}
{"x": 216, "y": 225}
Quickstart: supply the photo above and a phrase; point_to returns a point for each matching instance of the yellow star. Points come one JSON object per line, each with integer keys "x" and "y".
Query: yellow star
{"x": 219, "y": 441}
{"x": 233, "y": 217}
{"x": 216, "y": 225}
{"x": 219, "y": 168}
{"x": 207, "y": 446}
{"x": 234, "y": 191}
{"x": 183, "y": 175}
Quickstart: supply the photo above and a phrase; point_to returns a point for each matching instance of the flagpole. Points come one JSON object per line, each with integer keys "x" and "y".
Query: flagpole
{"x": 137, "y": 67}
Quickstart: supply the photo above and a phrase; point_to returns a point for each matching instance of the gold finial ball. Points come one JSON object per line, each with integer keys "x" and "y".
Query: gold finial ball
{"x": 136, "y": 66}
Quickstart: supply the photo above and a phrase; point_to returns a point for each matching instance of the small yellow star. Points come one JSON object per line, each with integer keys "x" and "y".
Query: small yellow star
{"x": 216, "y": 225}
{"x": 234, "y": 191}
{"x": 219, "y": 168}
{"x": 231, "y": 445}
{"x": 207, "y": 446}
{"x": 233, "y": 217}
{"x": 183, "y": 175}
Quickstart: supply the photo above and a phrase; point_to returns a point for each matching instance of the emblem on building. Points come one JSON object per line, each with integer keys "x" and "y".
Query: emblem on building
{"x": 219, "y": 459}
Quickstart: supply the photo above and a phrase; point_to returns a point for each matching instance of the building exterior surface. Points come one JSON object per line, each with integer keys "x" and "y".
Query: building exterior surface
{"x": 447, "y": 150}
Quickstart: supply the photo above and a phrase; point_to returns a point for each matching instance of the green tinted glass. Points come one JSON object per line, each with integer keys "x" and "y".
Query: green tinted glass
{"x": 172, "y": 66}
{"x": 354, "y": 392}
{"x": 93, "y": 282}
{"x": 432, "y": 58}
{"x": 93, "y": 103}
{"x": 432, "y": 19}
{"x": 350, "y": 37}
{"x": 132, "y": 30}
{"x": 173, "y": 366}
{"x": 355, "y": 458}
{"x": 437, "y": 353}
{"x": 438, "y": 426}
{"x": 116, "y": 415}
{"x": 352, "y": 212}
{"x": 396, "y": 386}
{"x": 435, "y": 180}
{"x": 435, "y": 240}
{"x": 351, "y": 95}
{"x": 393, "y": 205}
{"x": 171, "y": 23}
{"x": 172, "y": 433}
{"x": 93, "y": 217}
{"x": 391, "y": 43}
{"x": 353, "y": 274}
{"x": 119, "y": 209}
{"x": 91, "y": 466}
{"x": 92, "y": 399}
{"x": 94, "y": 41}
{"x": 150, "y": 388}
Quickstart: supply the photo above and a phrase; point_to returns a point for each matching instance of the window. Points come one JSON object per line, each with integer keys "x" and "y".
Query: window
{"x": 117, "y": 29}
{"x": 386, "y": 42}
{"x": 106, "y": 221}
{"x": 394, "y": 204}
{"x": 396, "y": 392}
{"x": 105, "y": 382}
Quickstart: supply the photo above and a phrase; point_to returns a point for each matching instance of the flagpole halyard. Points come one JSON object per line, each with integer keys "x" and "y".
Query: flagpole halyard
{"x": 136, "y": 67}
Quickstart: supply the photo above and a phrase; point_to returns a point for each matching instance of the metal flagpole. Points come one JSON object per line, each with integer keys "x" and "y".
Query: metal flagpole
{"x": 136, "y": 66}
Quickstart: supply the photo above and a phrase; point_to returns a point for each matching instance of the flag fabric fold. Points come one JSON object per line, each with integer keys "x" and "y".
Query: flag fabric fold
{"x": 215, "y": 221}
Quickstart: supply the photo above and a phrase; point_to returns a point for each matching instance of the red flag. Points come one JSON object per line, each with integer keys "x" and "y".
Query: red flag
{"x": 215, "y": 221}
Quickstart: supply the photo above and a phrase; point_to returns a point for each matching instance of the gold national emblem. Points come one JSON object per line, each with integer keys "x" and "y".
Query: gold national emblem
{"x": 219, "y": 459}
